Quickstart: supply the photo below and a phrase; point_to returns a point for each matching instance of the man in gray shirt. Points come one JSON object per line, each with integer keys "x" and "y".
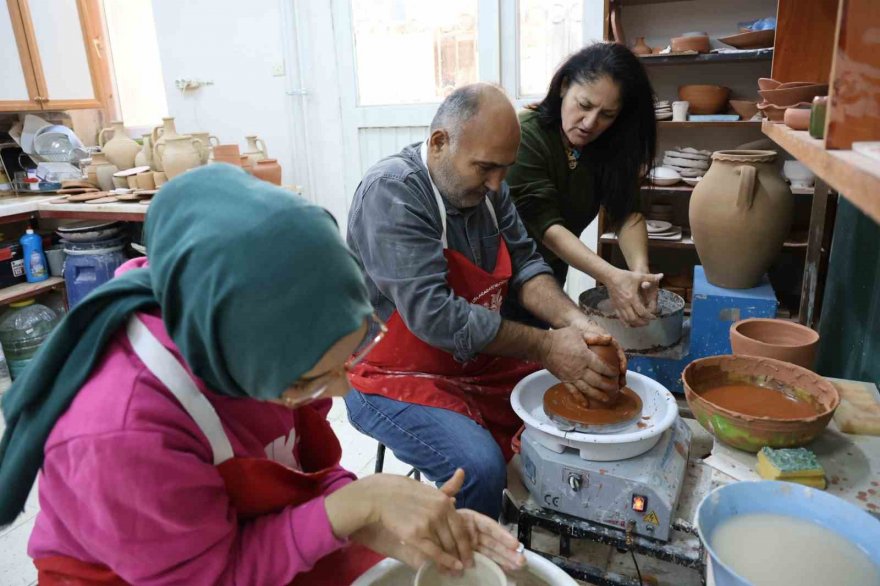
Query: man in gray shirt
{"x": 441, "y": 245}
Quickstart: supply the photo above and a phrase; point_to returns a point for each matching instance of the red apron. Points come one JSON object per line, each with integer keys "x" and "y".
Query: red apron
{"x": 404, "y": 368}
{"x": 256, "y": 486}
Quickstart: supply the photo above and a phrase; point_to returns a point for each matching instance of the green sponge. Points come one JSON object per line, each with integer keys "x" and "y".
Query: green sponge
{"x": 794, "y": 465}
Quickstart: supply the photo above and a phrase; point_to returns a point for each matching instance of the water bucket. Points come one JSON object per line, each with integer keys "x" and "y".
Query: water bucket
{"x": 89, "y": 265}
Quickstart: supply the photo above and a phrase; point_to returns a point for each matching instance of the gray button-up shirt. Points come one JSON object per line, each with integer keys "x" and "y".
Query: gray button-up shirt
{"x": 394, "y": 229}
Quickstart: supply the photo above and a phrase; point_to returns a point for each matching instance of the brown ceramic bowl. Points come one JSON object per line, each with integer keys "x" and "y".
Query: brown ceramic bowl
{"x": 745, "y": 108}
{"x": 704, "y": 99}
{"x": 777, "y": 113}
{"x": 797, "y": 118}
{"x": 765, "y": 83}
{"x": 775, "y": 338}
{"x": 751, "y": 40}
{"x": 700, "y": 44}
{"x": 792, "y": 95}
{"x": 746, "y": 432}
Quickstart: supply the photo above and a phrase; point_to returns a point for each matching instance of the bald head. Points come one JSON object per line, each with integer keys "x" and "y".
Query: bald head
{"x": 478, "y": 105}
{"x": 474, "y": 139}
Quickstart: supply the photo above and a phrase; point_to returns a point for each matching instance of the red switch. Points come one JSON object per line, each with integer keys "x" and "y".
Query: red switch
{"x": 639, "y": 503}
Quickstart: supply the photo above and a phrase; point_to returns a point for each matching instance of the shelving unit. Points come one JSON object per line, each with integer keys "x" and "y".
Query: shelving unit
{"x": 701, "y": 58}
{"x": 689, "y": 124}
{"x": 27, "y": 290}
{"x": 687, "y": 243}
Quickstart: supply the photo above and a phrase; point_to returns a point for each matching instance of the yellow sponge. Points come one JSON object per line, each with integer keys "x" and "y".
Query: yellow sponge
{"x": 792, "y": 465}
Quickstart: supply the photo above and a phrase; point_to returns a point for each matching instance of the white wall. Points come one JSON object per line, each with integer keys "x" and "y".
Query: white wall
{"x": 236, "y": 45}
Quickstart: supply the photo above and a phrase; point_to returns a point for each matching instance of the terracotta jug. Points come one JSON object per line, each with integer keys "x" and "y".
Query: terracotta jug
{"x": 120, "y": 149}
{"x": 268, "y": 170}
{"x": 740, "y": 214}
{"x": 159, "y": 136}
{"x": 227, "y": 153}
{"x": 179, "y": 154}
{"x": 641, "y": 47}
{"x": 144, "y": 158}
{"x": 256, "y": 149}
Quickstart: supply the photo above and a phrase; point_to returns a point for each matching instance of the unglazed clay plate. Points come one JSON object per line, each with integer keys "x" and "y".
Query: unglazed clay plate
{"x": 657, "y": 226}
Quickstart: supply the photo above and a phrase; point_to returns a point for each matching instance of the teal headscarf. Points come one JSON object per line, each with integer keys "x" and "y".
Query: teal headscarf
{"x": 254, "y": 285}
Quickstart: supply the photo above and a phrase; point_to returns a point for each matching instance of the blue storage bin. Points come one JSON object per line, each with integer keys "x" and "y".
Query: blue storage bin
{"x": 89, "y": 265}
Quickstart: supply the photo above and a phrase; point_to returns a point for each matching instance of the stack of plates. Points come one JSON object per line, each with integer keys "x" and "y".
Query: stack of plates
{"x": 658, "y": 230}
{"x": 662, "y": 110}
{"x": 661, "y": 212}
{"x": 689, "y": 162}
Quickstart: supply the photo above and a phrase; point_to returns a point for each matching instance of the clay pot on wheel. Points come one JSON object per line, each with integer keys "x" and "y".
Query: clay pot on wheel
{"x": 740, "y": 214}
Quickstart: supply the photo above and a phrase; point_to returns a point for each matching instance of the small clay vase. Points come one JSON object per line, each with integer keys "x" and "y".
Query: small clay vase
{"x": 144, "y": 158}
{"x": 775, "y": 338}
{"x": 120, "y": 149}
{"x": 159, "y": 136}
{"x": 268, "y": 170}
{"x": 256, "y": 149}
{"x": 740, "y": 214}
{"x": 641, "y": 47}
{"x": 179, "y": 154}
{"x": 104, "y": 174}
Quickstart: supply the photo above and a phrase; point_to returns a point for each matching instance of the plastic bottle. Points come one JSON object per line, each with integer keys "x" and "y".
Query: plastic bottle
{"x": 34, "y": 260}
{"x": 22, "y": 330}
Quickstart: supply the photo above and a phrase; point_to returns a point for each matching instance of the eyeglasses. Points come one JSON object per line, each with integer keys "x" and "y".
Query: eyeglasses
{"x": 321, "y": 387}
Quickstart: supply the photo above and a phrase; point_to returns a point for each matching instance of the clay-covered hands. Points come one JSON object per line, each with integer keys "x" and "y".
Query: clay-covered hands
{"x": 634, "y": 296}
{"x": 414, "y": 522}
{"x": 567, "y": 355}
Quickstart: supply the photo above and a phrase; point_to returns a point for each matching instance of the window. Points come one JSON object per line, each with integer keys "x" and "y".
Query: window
{"x": 136, "y": 66}
{"x": 413, "y": 51}
{"x": 549, "y": 31}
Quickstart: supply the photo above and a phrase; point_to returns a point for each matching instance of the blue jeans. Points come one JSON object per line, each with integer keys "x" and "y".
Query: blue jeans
{"x": 436, "y": 441}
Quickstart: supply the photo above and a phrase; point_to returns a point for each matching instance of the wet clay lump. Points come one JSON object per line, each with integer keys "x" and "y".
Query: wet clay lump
{"x": 757, "y": 402}
{"x": 558, "y": 400}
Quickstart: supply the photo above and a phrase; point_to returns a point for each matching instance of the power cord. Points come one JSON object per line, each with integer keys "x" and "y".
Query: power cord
{"x": 630, "y": 541}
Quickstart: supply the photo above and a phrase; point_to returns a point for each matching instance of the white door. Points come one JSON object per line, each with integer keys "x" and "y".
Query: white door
{"x": 374, "y": 71}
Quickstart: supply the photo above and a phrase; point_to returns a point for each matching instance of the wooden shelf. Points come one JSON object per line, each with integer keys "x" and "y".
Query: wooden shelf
{"x": 28, "y": 290}
{"x": 687, "y": 243}
{"x": 682, "y": 188}
{"x": 855, "y": 176}
{"x": 126, "y": 212}
{"x": 736, "y": 124}
{"x": 756, "y": 55}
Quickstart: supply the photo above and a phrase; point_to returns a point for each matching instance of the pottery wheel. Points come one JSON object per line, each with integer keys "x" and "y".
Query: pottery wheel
{"x": 595, "y": 417}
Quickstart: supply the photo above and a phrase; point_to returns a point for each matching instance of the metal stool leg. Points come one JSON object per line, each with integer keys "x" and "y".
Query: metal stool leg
{"x": 380, "y": 458}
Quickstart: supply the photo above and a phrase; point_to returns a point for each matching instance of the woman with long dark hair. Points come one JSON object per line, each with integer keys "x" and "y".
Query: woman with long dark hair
{"x": 587, "y": 145}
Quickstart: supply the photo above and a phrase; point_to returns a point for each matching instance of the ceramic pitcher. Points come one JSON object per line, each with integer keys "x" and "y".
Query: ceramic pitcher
{"x": 740, "y": 214}
{"x": 144, "y": 158}
{"x": 119, "y": 149}
{"x": 209, "y": 141}
{"x": 256, "y": 149}
{"x": 159, "y": 135}
{"x": 179, "y": 154}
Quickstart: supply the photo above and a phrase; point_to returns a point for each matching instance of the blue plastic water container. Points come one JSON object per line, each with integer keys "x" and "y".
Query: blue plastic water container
{"x": 89, "y": 265}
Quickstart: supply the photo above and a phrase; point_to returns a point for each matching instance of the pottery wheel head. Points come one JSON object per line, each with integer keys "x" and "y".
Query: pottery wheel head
{"x": 567, "y": 415}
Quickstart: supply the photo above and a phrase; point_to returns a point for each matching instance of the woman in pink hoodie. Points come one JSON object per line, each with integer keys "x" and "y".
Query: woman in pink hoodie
{"x": 177, "y": 415}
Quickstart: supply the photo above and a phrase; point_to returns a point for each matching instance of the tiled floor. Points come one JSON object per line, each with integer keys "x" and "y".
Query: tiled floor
{"x": 358, "y": 455}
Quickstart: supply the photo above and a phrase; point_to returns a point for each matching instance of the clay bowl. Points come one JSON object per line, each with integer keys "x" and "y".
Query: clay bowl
{"x": 704, "y": 99}
{"x": 797, "y": 118}
{"x": 765, "y": 83}
{"x": 775, "y": 338}
{"x": 745, "y": 108}
{"x": 485, "y": 572}
{"x": 790, "y": 96}
{"x": 777, "y": 113}
{"x": 700, "y": 44}
{"x": 746, "y": 432}
{"x": 751, "y": 40}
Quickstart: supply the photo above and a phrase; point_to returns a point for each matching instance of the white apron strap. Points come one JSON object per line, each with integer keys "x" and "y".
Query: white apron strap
{"x": 162, "y": 363}
{"x": 439, "y": 199}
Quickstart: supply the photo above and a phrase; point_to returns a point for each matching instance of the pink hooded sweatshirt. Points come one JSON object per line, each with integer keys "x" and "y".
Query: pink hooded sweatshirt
{"x": 129, "y": 482}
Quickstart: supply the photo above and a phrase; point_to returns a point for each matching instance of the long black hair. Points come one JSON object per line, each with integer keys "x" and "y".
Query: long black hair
{"x": 626, "y": 150}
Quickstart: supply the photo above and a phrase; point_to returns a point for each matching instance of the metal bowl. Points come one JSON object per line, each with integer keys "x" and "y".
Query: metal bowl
{"x": 660, "y": 333}
{"x": 750, "y": 433}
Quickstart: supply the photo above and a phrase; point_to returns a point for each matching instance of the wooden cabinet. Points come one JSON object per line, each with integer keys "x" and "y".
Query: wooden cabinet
{"x": 59, "y": 48}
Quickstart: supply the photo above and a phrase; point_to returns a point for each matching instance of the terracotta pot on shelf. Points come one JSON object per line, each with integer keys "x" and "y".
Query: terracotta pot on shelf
{"x": 743, "y": 200}
{"x": 789, "y": 96}
{"x": 159, "y": 135}
{"x": 246, "y": 164}
{"x": 179, "y": 154}
{"x": 777, "y": 113}
{"x": 641, "y": 47}
{"x": 797, "y": 118}
{"x": 119, "y": 149}
{"x": 775, "y": 338}
{"x": 745, "y": 108}
{"x": 700, "y": 44}
{"x": 268, "y": 170}
{"x": 256, "y": 149}
{"x": 227, "y": 153}
{"x": 704, "y": 99}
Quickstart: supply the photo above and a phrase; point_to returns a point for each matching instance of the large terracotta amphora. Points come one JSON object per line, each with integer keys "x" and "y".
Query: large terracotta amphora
{"x": 179, "y": 154}
{"x": 119, "y": 149}
{"x": 740, "y": 215}
{"x": 159, "y": 135}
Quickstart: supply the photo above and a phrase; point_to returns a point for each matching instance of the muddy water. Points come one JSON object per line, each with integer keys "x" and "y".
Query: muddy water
{"x": 559, "y": 401}
{"x": 777, "y": 550}
{"x": 758, "y": 402}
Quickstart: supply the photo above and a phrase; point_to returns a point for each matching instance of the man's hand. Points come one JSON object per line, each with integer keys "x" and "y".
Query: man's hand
{"x": 567, "y": 356}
